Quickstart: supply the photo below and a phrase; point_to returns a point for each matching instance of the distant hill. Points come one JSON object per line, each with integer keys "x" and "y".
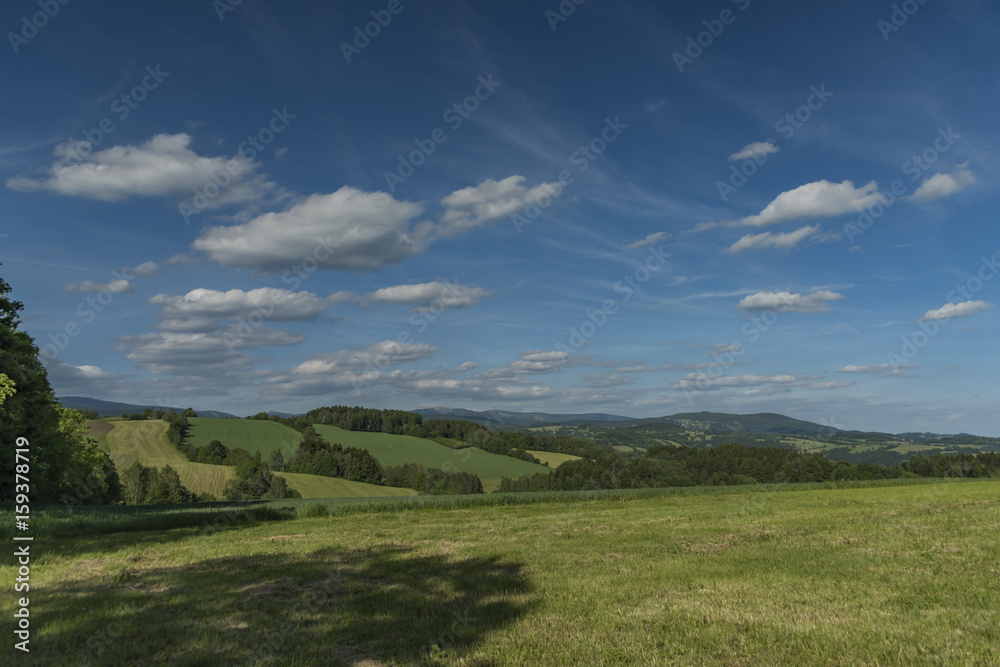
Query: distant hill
{"x": 500, "y": 419}
{"x": 763, "y": 422}
{"x": 113, "y": 409}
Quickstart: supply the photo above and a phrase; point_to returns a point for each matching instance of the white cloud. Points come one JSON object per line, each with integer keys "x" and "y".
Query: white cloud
{"x": 490, "y": 201}
{"x": 120, "y": 286}
{"x": 707, "y": 382}
{"x": 279, "y": 304}
{"x": 821, "y": 199}
{"x": 540, "y": 361}
{"x": 442, "y": 294}
{"x": 349, "y": 230}
{"x": 767, "y": 391}
{"x": 373, "y": 358}
{"x": 830, "y": 384}
{"x": 784, "y": 240}
{"x": 941, "y": 185}
{"x": 874, "y": 368}
{"x": 785, "y": 302}
{"x": 949, "y": 310}
{"x": 204, "y": 309}
{"x": 201, "y": 354}
{"x": 162, "y": 166}
{"x": 146, "y": 269}
{"x": 755, "y": 150}
{"x": 655, "y": 237}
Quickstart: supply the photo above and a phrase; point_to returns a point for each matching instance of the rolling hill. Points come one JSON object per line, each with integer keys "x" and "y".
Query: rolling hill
{"x": 394, "y": 450}
{"x": 146, "y": 442}
{"x": 113, "y": 409}
{"x": 251, "y": 434}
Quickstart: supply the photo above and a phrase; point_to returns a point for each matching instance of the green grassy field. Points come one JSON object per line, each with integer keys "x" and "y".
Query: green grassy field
{"x": 739, "y": 576}
{"x": 146, "y": 442}
{"x": 317, "y": 486}
{"x": 394, "y": 450}
{"x": 554, "y": 459}
{"x": 250, "y": 434}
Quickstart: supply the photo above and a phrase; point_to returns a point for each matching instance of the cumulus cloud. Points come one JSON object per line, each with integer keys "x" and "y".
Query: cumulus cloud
{"x": 784, "y": 240}
{"x": 655, "y": 237}
{"x": 203, "y": 309}
{"x": 786, "y": 302}
{"x": 755, "y": 150}
{"x": 442, "y": 294}
{"x": 373, "y": 358}
{"x": 349, "y": 229}
{"x": 829, "y": 384}
{"x": 874, "y": 368}
{"x": 767, "y": 391}
{"x": 146, "y": 269}
{"x": 540, "y": 361}
{"x": 120, "y": 286}
{"x": 490, "y": 201}
{"x": 162, "y": 166}
{"x": 601, "y": 381}
{"x": 821, "y": 199}
{"x": 962, "y": 309}
{"x": 707, "y": 382}
{"x": 200, "y": 353}
{"x": 941, "y": 185}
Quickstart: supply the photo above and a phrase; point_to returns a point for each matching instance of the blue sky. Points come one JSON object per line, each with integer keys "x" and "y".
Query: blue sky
{"x": 630, "y": 207}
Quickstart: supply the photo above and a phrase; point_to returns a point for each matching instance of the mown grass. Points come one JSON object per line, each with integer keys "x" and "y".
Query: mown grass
{"x": 394, "y": 450}
{"x": 317, "y": 486}
{"x": 554, "y": 459}
{"x": 146, "y": 441}
{"x": 864, "y": 574}
{"x": 250, "y": 434}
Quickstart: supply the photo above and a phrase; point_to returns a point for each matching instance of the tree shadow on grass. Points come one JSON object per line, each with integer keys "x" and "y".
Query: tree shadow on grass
{"x": 386, "y": 604}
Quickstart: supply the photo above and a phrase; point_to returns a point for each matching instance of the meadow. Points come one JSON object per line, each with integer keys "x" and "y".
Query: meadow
{"x": 394, "y": 450}
{"x": 800, "y": 574}
{"x": 146, "y": 441}
{"x": 250, "y": 434}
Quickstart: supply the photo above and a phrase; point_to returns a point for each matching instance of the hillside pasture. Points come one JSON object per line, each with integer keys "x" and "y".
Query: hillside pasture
{"x": 395, "y": 450}
{"x": 554, "y": 459}
{"x": 146, "y": 442}
{"x": 317, "y": 486}
{"x": 252, "y": 435}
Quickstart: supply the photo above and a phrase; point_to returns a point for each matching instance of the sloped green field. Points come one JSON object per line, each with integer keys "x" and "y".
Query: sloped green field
{"x": 394, "y": 450}
{"x": 147, "y": 443}
{"x": 249, "y": 434}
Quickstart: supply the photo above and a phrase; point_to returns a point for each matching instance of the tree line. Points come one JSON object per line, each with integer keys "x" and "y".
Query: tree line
{"x": 731, "y": 464}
